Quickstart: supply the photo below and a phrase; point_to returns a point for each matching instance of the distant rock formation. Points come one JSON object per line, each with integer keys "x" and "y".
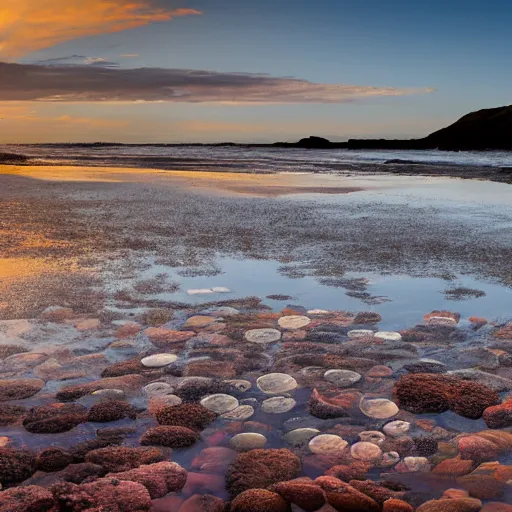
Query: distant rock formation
{"x": 12, "y": 158}
{"x": 485, "y": 129}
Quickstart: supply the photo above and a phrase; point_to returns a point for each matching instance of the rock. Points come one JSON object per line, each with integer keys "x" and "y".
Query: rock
{"x": 53, "y": 459}
{"x": 483, "y": 487}
{"x": 293, "y": 322}
{"x": 300, "y": 436}
{"x": 342, "y": 378}
{"x": 499, "y": 416}
{"x": 355, "y": 471}
{"x": 158, "y": 389}
{"x": 220, "y": 403}
{"x": 258, "y": 469}
{"x": 248, "y": 441}
{"x": 164, "y": 338}
{"x": 372, "y": 436}
{"x": 307, "y": 496}
{"x": 27, "y": 499}
{"x": 494, "y": 506}
{"x": 343, "y": 497}
{"x": 451, "y": 505}
{"x": 275, "y": 383}
{"x": 199, "y": 321}
{"x": 126, "y": 383}
{"x": 18, "y": 389}
{"x": 388, "y": 336}
{"x": 159, "y": 479}
{"x": 115, "y": 459}
{"x": 327, "y": 444}
{"x": 158, "y": 403}
{"x": 114, "y": 394}
{"x": 104, "y": 494}
{"x": 476, "y": 448}
{"x": 214, "y": 459}
{"x": 55, "y": 418}
{"x": 455, "y": 317}
{"x": 241, "y": 413}
{"x": 239, "y": 384}
{"x": 423, "y": 392}
{"x": 210, "y": 368}
{"x": 338, "y": 406}
{"x": 393, "y": 505}
{"x": 379, "y": 372}
{"x": 193, "y": 389}
{"x": 367, "y": 318}
{"x": 417, "y": 464}
{"x": 16, "y": 466}
{"x": 159, "y": 360}
{"x": 389, "y": 459}
{"x": 127, "y": 330}
{"x": 278, "y": 405}
{"x": 200, "y": 291}
{"x": 377, "y": 492}
{"x": 360, "y": 333}
{"x": 425, "y": 446}
{"x": 201, "y": 503}
{"x": 263, "y": 336}
{"x": 111, "y": 410}
{"x": 259, "y": 500}
{"x": 171, "y": 437}
{"x": 379, "y": 408}
{"x": 495, "y": 382}
{"x": 453, "y": 467}
{"x": 396, "y": 428}
{"x": 365, "y": 451}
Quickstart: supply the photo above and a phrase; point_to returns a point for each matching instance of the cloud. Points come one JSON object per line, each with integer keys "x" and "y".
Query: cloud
{"x": 78, "y": 60}
{"x": 29, "y": 82}
{"x": 29, "y": 25}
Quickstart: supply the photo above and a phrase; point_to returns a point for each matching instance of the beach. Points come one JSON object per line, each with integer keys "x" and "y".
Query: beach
{"x": 327, "y": 318}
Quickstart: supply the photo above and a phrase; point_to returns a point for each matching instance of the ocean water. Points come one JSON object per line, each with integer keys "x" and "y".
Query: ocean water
{"x": 249, "y": 159}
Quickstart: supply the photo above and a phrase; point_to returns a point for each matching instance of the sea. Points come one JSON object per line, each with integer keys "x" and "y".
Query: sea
{"x": 244, "y": 158}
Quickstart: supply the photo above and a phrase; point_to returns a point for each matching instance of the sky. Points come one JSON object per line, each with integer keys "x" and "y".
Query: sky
{"x": 244, "y": 71}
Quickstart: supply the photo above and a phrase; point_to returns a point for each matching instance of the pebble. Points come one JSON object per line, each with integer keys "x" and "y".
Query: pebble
{"x": 199, "y": 321}
{"x": 417, "y": 464}
{"x": 168, "y": 400}
{"x": 365, "y": 451}
{"x": 274, "y": 383}
{"x": 248, "y": 441}
{"x": 319, "y": 312}
{"x": 396, "y": 428}
{"x": 378, "y": 408}
{"x": 441, "y": 321}
{"x": 221, "y": 289}
{"x": 263, "y": 336}
{"x": 88, "y": 324}
{"x": 342, "y": 378}
{"x": 300, "y": 436}
{"x": 278, "y": 405}
{"x": 388, "y": 336}
{"x": 327, "y": 444}
{"x": 241, "y": 413}
{"x": 389, "y": 459}
{"x": 199, "y": 291}
{"x": 158, "y": 389}
{"x": 372, "y": 436}
{"x": 360, "y": 333}
{"x": 239, "y": 384}
{"x": 109, "y": 393}
{"x": 221, "y": 311}
{"x": 159, "y": 360}
{"x": 293, "y": 322}
{"x": 220, "y": 403}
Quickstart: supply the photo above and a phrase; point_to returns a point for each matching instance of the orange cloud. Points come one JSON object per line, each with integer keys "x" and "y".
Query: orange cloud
{"x": 28, "y": 25}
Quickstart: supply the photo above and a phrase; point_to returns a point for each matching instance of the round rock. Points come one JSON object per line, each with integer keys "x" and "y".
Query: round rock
{"x": 248, "y": 441}
{"x": 372, "y": 436}
{"x": 342, "y": 378}
{"x": 417, "y": 464}
{"x": 365, "y": 451}
{"x": 241, "y": 413}
{"x": 278, "y": 405}
{"x": 300, "y": 436}
{"x": 378, "y": 408}
{"x": 293, "y": 322}
{"x": 159, "y": 360}
{"x": 388, "y": 336}
{"x": 263, "y": 336}
{"x": 396, "y": 428}
{"x": 109, "y": 393}
{"x": 158, "y": 389}
{"x": 275, "y": 383}
{"x": 220, "y": 403}
{"x": 360, "y": 333}
{"x": 239, "y": 384}
{"x": 327, "y": 444}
